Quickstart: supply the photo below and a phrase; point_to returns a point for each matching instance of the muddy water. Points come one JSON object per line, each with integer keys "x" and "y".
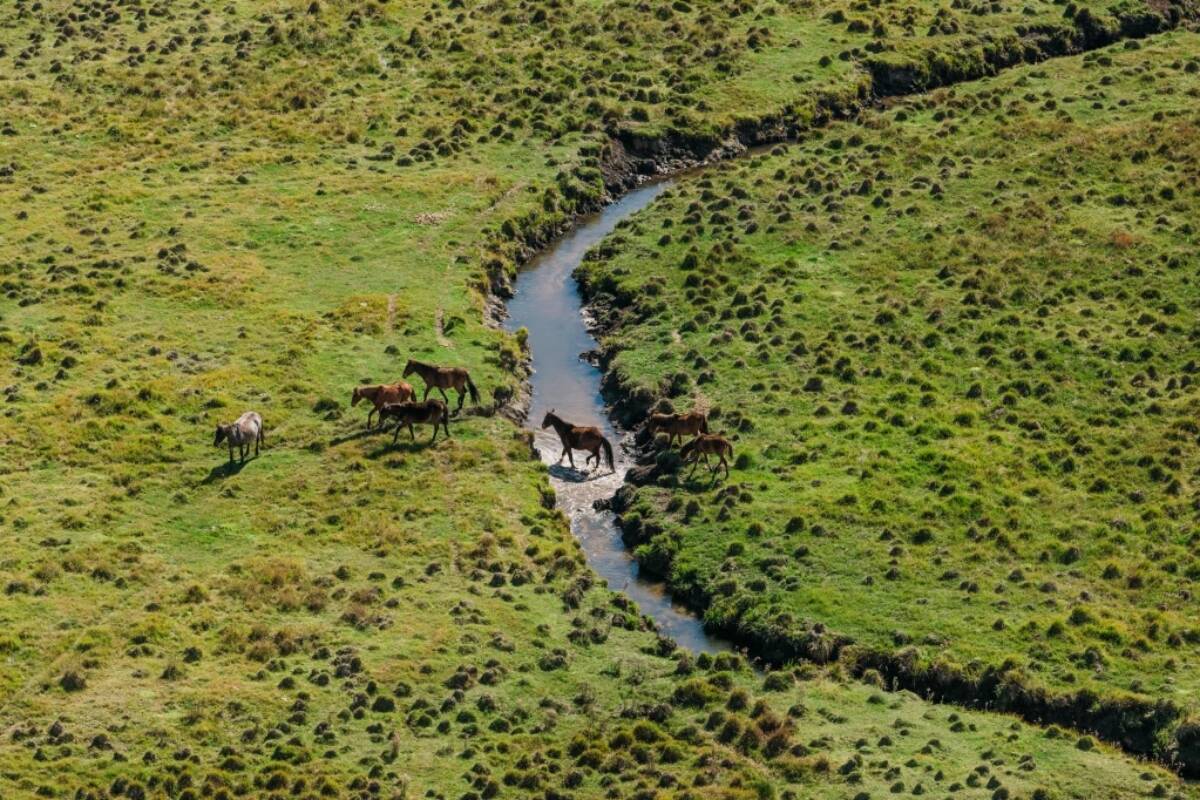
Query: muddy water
{"x": 548, "y": 305}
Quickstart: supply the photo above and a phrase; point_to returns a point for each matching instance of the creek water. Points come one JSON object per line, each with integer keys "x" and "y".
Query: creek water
{"x": 548, "y": 305}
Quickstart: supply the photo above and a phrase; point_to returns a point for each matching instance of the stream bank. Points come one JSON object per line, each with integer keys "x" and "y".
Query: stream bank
{"x": 548, "y": 304}
{"x": 1139, "y": 725}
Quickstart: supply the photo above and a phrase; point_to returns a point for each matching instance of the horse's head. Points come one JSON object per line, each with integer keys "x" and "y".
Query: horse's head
{"x": 655, "y": 422}
{"x": 221, "y": 435}
{"x": 409, "y": 368}
{"x": 549, "y": 419}
{"x": 355, "y": 396}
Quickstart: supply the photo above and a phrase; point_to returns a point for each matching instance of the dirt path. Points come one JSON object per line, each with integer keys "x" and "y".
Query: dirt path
{"x": 439, "y": 330}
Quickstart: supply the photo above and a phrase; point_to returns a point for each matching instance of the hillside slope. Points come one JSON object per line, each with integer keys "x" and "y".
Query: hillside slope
{"x": 954, "y": 348}
{"x": 209, "y": 208}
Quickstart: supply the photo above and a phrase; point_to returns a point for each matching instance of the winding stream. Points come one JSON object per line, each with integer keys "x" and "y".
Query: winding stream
{"x": 547, "y": 303}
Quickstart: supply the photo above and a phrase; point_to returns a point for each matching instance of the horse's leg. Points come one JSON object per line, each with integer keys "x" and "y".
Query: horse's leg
{"x": 564, "y": 453}
{"x": 231, "y": 451}
{"x": 412, "y": 431}
{"x": 435, "y": 431}
{"x": 445, "y": 398}
{"x": 370, "y": 414}
{"x": 396, "y": 433}
{"x": 462, "y": 395}
{"x": 571, "y": 457}
{"x": 428, "y": 388}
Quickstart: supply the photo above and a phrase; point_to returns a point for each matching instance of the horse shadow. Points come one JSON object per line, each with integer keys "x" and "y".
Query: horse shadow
{"x": 693, "y": 482}
{"x": 576, "y": 475}
{"x": 403, "y": 445}
{"x": 227, "y": 469}
{"x": 359, "y": 434}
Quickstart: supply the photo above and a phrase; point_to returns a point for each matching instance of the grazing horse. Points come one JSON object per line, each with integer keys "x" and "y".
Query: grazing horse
{"x": 578, "y": 437}
{"x": 693, "y": 423}
{"x": 405, "y": 414}
{"x": 703, "y": 446}
{"x": 443, "y": 378}
{"x": 380, "y": 395}
{"x": 248, "y": 428}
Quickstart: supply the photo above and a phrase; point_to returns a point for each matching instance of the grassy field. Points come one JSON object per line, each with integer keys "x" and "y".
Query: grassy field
{"x": 207, "y": 209}
{"x": 953, "y": 346}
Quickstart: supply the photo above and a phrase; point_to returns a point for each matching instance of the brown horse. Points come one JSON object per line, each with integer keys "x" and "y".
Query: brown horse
{"x": 405, "y": 414}
{"x": 443, "y": 378}
{"x": 703, "y": 446}
{"x": 693, "y": 423}
{"x": 380, "y": 395}
{"x": 576, "y": 437}
{"x": 248, "y": 428}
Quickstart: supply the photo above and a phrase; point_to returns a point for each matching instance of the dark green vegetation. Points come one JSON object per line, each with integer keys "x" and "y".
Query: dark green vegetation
{"x": 957, "y": 347}
{"x": 211, "y": 207}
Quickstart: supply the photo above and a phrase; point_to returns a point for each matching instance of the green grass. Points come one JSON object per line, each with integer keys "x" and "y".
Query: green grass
{"x": 208, "y": 208}
{"x": 953, "y": 347}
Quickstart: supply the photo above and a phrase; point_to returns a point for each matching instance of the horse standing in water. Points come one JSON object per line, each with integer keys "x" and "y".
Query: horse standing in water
{"x": 248, "y": 428}
{"x": 381, "y": 395}
{"x": 703, "y": 446}
{"x": 443, "y": 378}
{"x": 579, "y": 437}
{"x": 405, "y": 414}
{"x": 693, "y": 423}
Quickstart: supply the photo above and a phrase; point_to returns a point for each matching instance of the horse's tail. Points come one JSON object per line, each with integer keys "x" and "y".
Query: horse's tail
{"x": 471, "y": 388}
{"x": 608, "y": 453}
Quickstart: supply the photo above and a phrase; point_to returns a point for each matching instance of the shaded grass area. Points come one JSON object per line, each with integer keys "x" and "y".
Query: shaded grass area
{"x": 260, "y": 205}
{"x": 953, "y": 346}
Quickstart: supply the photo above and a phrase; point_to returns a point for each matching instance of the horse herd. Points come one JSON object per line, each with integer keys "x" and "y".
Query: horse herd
{"x": 397, "y": 401}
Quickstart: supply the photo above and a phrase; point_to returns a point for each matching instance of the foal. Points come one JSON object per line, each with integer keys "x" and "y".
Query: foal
{"x": 578, "y": 437}
{"x": 693, "y": 423}
{"x": 443, "y": 378}
{"x": 703, "y": 446}
{"x": 405, "y": 414}
{"x": 248, "y": 428}
{"x": 380, "y": 395}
